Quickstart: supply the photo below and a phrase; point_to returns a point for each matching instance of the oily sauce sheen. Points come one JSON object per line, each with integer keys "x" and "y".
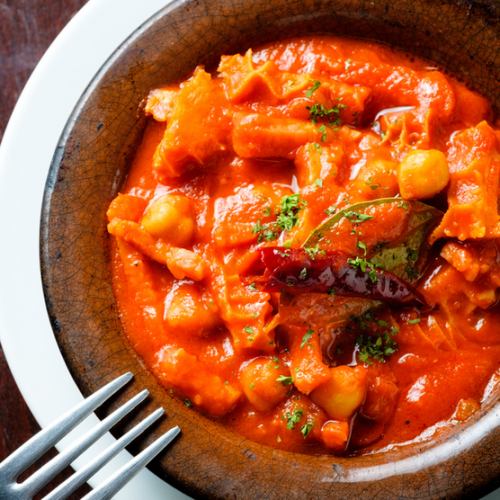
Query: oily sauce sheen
{"x": 308, "y": 156}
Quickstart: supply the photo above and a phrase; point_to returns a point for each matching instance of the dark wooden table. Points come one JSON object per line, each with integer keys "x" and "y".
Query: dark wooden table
{"x": 27, "y": 27}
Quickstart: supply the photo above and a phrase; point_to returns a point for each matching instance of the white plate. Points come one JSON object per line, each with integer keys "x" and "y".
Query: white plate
{"x": 25, "y": 155}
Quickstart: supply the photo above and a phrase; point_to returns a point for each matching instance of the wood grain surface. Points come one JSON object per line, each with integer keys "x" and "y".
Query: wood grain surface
{"x": 27, "y": 27}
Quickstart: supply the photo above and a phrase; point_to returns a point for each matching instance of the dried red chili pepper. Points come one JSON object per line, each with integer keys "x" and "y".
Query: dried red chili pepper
{"x": 294, "y": 271}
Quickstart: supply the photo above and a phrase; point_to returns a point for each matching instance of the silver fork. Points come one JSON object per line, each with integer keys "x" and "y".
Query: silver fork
{"x": 29, "y": 452}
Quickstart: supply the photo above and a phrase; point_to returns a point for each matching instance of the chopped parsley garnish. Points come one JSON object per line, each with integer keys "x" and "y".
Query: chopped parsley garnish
{"x": 357, "y": 217}
{"x": 293, "y": 418}
{"x": 283, "y": 379}
{"x": 286, "y": 219}
{"x": 265, "y": 232}
{"x": 252, "y": 286}
{"x": 313, "y": 252}
{"x": 318, "y": 183}
{"x": 414, "y": 321}
{"x": 322, "y": 130}
{"x": 315, "y": 86}
{"x": 317, "y": 146}
{"x": 319, "y": 112}
{"x": 248, "y": 329}
{"x": 362, "y": 246}
{"x": 307, "y": 336}
{"x": 289, "y": 209}
{"x": 375, "y": 341}
{"x": 331, "y": 210}
{"x": 306, "y": 429}
{"x": 371, "y": 184}
{"x": 375, "y": 347}
{"x": 364, "y": 265}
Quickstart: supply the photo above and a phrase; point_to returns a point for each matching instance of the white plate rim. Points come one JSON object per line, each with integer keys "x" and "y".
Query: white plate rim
{"x": 40, "y": 115}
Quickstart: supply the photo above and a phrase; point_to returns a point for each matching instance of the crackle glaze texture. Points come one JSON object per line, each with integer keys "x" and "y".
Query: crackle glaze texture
{"x": 90, "y": 164}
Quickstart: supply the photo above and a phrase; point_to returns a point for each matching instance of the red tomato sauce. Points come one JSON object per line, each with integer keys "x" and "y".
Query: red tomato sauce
{"x": 260, "y": 153}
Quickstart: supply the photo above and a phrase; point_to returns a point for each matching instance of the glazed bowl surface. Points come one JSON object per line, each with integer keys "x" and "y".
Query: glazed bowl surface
{"x": 90, "y": 164}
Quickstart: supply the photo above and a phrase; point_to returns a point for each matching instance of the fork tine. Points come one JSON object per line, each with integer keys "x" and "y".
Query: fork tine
{"x": 33, "y": 449}
{"x": 83, "y": 474}
{"x": 42, "y": 476}
{"x": 123, "y": 475}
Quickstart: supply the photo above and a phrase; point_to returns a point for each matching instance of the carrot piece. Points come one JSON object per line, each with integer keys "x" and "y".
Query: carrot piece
{"x": 306, "y": 360}
{"x": 265, "y": 381}
{"x": 126, "y": 206}
{"x": 335, "y": 435}
{"x": 177, "y": 368}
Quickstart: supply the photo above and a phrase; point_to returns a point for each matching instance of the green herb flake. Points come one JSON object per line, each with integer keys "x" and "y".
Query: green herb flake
{"x": 305, "y": 339}
{"x": 289, "y": 208}
{"x": 319, "y": 112}
{"x": 318, "y": 183}
{"x": 283, "y": 379}
{"x": 331, "y": 210}
{"x": 303, "y": 274}
{"x": 306, "y": 429}
{"x": 414, "y": 321}
{"x": 313, "y": 252}
{"x": 248, "y": 329}
{"x": 362, "y": 246}
{"x": 252, "y": 286}
{"x": 315, "y": 86}
{"x": 364, "y": 265}
{"x": 293, "y": 418}
{"x": 357, "y": 217}
{"x": 322, "y": 131}
{"x": 265, "y": 232}
{"x": 375, "y": 347}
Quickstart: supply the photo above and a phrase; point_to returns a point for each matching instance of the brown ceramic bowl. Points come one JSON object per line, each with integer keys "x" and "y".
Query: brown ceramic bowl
{"x": 90, "y": 163}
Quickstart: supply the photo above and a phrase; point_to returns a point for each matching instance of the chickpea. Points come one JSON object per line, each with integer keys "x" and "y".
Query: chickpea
{"x": 423, "y": 174}
{"x": 189, "y": 311}
{"x": 171, "y": 218}
{"x": 260, "y": 377}
{"x": 376, "y": 179}
{"x": 335, "y": 435}
{"x": 343, "y": 393}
